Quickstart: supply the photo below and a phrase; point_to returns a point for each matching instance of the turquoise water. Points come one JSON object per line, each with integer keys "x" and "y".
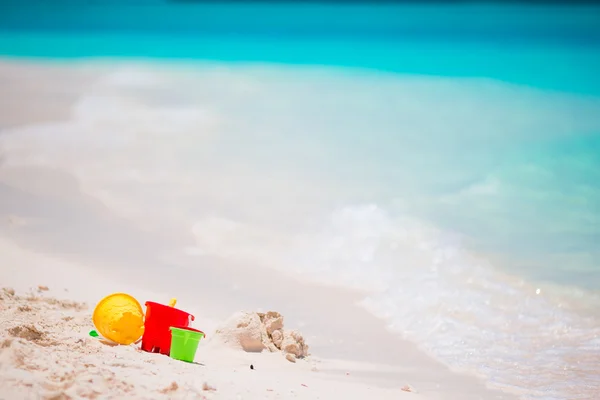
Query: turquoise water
{"x": 549, "y": 47}
{"x": 406, "y": 140}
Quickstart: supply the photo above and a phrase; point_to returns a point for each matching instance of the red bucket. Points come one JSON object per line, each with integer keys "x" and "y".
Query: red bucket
{"x": 159, "y": 318}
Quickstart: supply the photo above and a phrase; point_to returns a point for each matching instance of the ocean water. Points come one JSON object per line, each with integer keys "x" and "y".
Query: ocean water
{"x": 444, "y": 159}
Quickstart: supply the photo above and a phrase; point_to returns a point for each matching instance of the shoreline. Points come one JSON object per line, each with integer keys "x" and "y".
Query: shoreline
{"x": 359, "y": 337}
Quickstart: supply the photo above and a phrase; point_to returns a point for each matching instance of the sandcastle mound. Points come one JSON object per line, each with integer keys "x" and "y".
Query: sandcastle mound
{"x": 255, "y": 332}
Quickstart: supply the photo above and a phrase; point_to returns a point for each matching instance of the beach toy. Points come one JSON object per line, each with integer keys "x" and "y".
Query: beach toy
{"x": 159, "y": 318}
{"x": 120, "y": 318}
{"x": 93, "y": 333}
{"x": 172, "y": 302}
{"x": 184, "y": 343}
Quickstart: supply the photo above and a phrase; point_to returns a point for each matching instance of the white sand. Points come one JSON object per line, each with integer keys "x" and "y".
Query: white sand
{"x": 52, "y": 234}
{"x": 46, "y": 351}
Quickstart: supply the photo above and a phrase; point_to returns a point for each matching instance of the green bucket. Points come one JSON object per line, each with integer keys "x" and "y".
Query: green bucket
{"x": 184, "y": 343}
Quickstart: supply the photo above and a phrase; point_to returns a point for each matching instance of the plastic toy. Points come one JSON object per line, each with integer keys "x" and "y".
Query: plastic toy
{"x": 159, "y": 318}
{"x": 184, "y": 343}
{"x": 120, "y": 318}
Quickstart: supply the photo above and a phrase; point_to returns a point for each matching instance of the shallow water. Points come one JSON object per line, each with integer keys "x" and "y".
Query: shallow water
{"x": 453, "y": 173}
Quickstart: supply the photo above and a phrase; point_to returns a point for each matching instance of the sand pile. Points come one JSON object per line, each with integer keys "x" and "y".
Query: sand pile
{"x": 255, "y": 332}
